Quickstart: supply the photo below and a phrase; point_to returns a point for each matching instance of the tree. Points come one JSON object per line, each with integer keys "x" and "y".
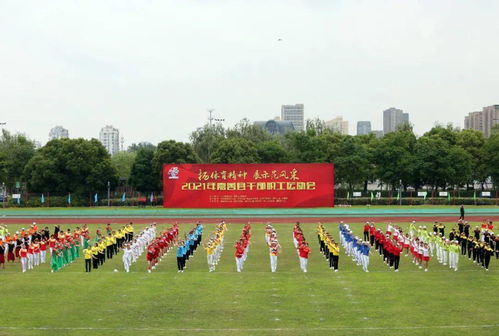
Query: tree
{"x": 136, "y": 147}
{"x": 272, "y": 151}
{"x": 448, "y": 133}
{"x": 235, "y": 150}
{"x": 70, "y": 165}
{"x": 491, "y": 157}
{"x": 204, "y": 139}
{"x": 122, "y": 163}
{"x": 472, "y": 142}
{"x": 246, "y": 130}
{"x": 370, "y": 143}
{"x": 308, "y": 147}
{"x": 316, "y": 125}
{"x": 394, "y": 157}
{"x": 142, "y": 176}
{"x": 15, "y": 152}
{"x": 351, "y": 162}
{"x": 171, "y": 151}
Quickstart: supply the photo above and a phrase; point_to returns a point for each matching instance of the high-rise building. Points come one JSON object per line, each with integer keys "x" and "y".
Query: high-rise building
{"x": 295, "y": 114}
{"x": 378, "y": 133}
{"x": 338, "y": 125}
{"x": 58, "y": 132}
{"x": 276, "y": 126}
{"x": 393, "y": 118}
{"x": 363, "y": 127}
{"x": 484, "y": 120}
{"x": 110, "y": 138}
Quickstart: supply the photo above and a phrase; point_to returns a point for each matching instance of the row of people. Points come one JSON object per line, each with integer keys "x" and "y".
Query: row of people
{"x": 215, "y": 245}
{"x": 301, "y": 246}
{"x": 105, "y": 247}
{"x": 328, "y": 247}
{"x": 273, "y": 245}
{"x": 242, "y": 247}
{"x": 389, "y": 244}
{"x": 157, "y": 248}
{"x": 355, "y": 247}
{"x": 186, "y": 247}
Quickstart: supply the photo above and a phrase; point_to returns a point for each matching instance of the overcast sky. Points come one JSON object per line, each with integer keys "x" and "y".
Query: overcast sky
{"x": 153, "y": 68}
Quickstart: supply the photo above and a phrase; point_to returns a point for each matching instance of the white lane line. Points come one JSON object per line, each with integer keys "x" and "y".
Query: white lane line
{"x": 255, "y": 329}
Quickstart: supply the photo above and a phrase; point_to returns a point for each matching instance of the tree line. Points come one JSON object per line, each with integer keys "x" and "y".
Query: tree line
{"x": 442, "y": 158}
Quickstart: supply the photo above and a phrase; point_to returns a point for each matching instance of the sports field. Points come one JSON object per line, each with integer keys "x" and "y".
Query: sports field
{"x": 254, "y": 302}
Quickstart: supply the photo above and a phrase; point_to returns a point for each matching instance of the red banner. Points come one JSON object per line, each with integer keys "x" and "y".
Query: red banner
{"x": 287, "y": 185}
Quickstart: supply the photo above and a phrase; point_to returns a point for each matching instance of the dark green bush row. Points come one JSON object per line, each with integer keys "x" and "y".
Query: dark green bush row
{"x": 62, "y": 201}
{"x": 417, "y": 201}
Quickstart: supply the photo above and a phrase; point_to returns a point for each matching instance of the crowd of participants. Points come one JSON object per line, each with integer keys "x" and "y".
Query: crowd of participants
{"x": 106, "y": 245}
{"x": 157, "y": 246}
{"x": 242, "y": 247}
{"x": 274, "y": 246}
{"x": 328, "y": 247}
{"x": 215, "y": 246}
{"x": 302, "y": 248}
{"x": 29, "y": 247}
{"x": 355, "y": 247}
{"x": 478, "y": 245}
{"x": 187, "y": 247}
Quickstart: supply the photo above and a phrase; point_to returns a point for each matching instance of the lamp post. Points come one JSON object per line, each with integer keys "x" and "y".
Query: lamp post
{"x": 211, "y": 118}
{"x": 3, "y": 194}
{"x": 108, "y": 193}
{"x": 400, "y": 191}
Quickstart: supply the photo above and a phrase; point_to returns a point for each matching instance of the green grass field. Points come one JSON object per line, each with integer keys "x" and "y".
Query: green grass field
{"x": 254, "y": 302}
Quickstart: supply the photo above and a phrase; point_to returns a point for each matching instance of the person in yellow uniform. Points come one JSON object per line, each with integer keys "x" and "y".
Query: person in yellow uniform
{"x": 335, "y": 255}
{"x": 115, "y": 243}
{"x": 109, "y": 246}
{"x": 88, "y": 255}
{"x": 210, "y": 249}
{"x": 101, "y": 257}
{"x": 95, "y": 253}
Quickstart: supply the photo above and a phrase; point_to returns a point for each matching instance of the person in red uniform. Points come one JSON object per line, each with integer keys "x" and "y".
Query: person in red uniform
{"x": 11, "y": 244}
{"x": 238, "y": 254}
{"x": 43, "y": 250}
{"x": 23, "y": 255}
{"x": 151, "y": 257}
{"x": 2, "y": 253}
{"x": 372, "y": 233}
{"x": 366, "y": 231}
{"x": 303, "y": 252}
{"x": 396, "y": 250}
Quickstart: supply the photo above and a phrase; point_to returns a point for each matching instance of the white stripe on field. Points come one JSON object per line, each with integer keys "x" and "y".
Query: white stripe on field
{"x": 255, "y": 329}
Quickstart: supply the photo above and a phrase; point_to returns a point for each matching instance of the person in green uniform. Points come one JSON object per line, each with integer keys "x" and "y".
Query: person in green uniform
{"x": 54, "y": 264}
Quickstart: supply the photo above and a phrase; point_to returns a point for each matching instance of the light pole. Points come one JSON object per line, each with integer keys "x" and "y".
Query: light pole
{"x": 108, "y": 193}
{"x": 400, "y": 191}
{"x": 3, "y": 194}
{"x": 211, "y": 118}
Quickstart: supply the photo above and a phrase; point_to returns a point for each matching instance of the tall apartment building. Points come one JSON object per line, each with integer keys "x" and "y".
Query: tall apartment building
{"x": 363, "y": 127}
{"x": 110, "y": 138}
{"x": 295, "y": 114}
{"x": 338, "y": 125}
{"x": 275, "y": 126}
{"x": 484, "y": 120}
{"x": 392, "y": 118}
{"x": 58, "y": 132}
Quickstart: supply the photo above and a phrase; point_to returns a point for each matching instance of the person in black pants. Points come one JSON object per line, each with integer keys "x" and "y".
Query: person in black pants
{"x": 88, "y": 255}
{"x": 461, "y": 210}
{"x": 95, "y": 260}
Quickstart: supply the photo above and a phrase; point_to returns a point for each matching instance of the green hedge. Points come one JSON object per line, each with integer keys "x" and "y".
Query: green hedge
{"x": 417, "y": 201}
{"x": 76, "y": 201}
